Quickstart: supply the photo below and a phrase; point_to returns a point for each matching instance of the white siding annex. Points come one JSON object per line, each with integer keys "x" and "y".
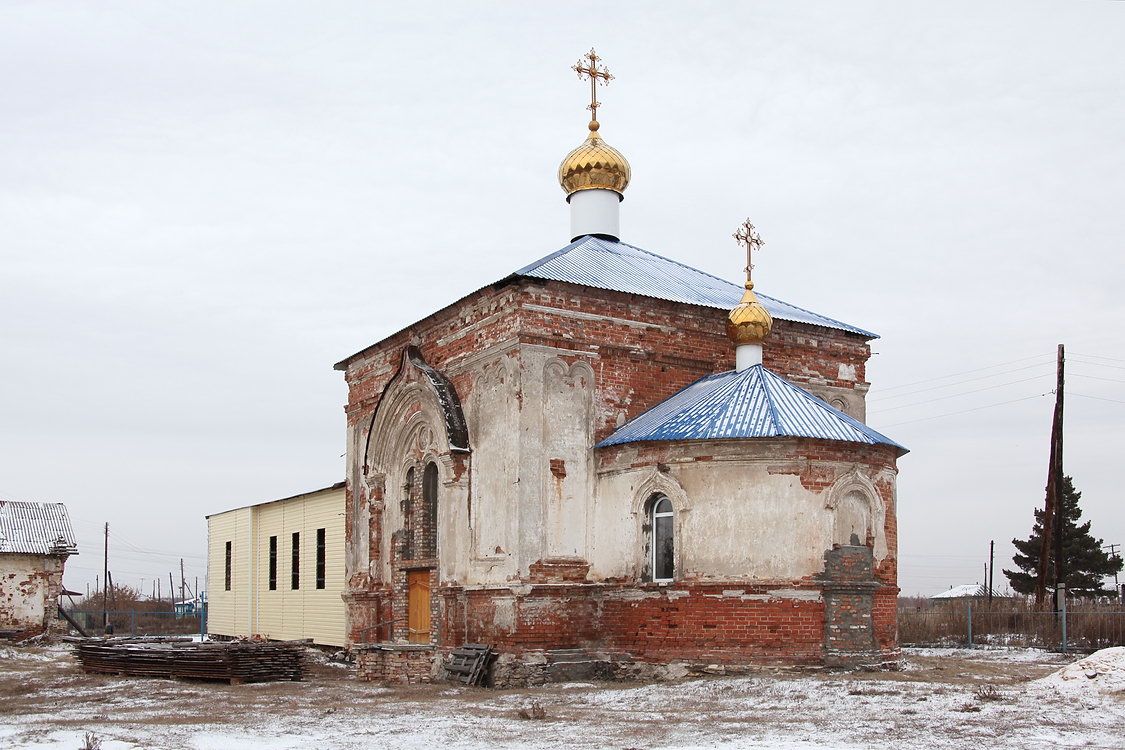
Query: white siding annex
{"x": 248, "y": 595}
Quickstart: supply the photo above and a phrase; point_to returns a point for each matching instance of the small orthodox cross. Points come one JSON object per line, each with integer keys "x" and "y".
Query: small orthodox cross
{"x": 748, "y": 237}
{"x": 595, "y": 74}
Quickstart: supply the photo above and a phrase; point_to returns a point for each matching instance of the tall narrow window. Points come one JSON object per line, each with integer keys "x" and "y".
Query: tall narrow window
{"x": 273, "y": 563}
{"x": 320, "y": 553}
{"x": 428, "y": 542}
{"x": 662, "y": 542}
{"x": 226, "y": 569}
{"x": 295, "y": 563}
{"x": 408, "y": 516}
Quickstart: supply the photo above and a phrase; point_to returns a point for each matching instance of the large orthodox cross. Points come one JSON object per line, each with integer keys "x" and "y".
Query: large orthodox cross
{"x": 595, "y": 74}
{"x": 748, "y": 237}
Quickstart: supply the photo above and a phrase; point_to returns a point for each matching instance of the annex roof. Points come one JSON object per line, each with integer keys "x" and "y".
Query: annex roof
{"x": 752, "y": 403}
{"x": 618, "y": 266}
{"x": 36, "y": 529}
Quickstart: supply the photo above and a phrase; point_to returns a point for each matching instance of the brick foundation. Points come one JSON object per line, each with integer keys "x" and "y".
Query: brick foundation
{"x": 396, "y": 663}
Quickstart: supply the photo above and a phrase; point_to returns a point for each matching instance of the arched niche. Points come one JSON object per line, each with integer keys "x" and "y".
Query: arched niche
{"x": 857, "y": 513}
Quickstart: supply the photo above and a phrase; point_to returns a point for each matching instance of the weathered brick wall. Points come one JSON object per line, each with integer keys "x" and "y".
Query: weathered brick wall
{"x": 859, "y": 629}
{"x": 648, "y": 349}
{"x": 398, "y": 665}
{"x": 690, "y": 622}
{"x": 29, "y": 592}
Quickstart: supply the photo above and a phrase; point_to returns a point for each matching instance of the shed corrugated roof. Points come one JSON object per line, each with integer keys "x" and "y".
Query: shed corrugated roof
{"x": 964, "y": 591}
{"x": 753, "y": 403}
{"x": 36, "y": 529}
{"x": 606, "y": 264}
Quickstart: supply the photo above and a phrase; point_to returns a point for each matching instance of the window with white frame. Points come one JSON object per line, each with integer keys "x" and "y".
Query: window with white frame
{"x": 662, "y": 544}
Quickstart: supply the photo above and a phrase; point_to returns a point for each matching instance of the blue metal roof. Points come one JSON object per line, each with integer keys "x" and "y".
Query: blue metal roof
{"x": 753, "y": 403}
{"x": 621, "y": 267}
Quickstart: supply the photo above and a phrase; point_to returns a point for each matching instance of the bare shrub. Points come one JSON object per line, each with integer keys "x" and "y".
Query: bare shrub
{"x": 91, "y": 741}
{"x": 533, "y": 710}
{"x": 988, "y": 693}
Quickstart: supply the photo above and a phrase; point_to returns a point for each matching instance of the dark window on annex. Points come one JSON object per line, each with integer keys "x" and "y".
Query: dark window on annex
{"x": 273, "y": 563}
{"x": 320, "y": 556}
{"x": 295, "y": 563}
{"x": 226, "y": 569}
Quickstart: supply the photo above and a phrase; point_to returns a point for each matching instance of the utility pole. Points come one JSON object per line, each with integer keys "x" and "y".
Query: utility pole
{"x": 1051, "y": 542}
{"x": 105, "y": 581}
{"x": 183, "y": 581}
{"x": 1113, "y": 555}
{"x": 991, "y": 566}
{"x": 171, "y": 591}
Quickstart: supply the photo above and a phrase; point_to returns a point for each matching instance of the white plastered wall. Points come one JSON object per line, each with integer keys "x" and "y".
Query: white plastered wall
{"x": 738, "y": 516}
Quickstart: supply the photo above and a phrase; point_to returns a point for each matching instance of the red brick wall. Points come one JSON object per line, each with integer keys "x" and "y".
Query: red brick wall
{"x": 396, "y": 665}
{"x": 693, "y": 622}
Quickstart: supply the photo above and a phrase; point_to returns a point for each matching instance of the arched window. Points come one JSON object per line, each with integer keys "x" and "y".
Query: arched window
{"x": 662, "y": 539}
{"x": 407, "y": 514}
{"x": 853, "y": 519}
{"x": 407, "y": 490}
{"x": 428, "y": 541}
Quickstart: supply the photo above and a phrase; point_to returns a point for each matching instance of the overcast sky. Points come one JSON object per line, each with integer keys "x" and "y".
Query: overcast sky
{"x": 203, "y": 206}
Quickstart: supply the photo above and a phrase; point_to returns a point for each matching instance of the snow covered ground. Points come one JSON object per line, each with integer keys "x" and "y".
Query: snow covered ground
{"x": 944, "y": 698}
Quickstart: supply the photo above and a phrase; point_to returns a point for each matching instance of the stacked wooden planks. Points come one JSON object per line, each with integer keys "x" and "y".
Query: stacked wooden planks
{"x": 235, "y": 662}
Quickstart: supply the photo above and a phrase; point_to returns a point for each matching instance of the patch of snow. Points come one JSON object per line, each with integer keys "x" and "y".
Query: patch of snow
{"x": 1102, "y": 671}
{"x": 17, "y": 654}
{"x": 1016, "y": 654}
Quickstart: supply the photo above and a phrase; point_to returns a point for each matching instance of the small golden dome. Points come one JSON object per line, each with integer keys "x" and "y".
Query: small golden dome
{"x": 594, "y": 164}
{"x": 749, "y": 322}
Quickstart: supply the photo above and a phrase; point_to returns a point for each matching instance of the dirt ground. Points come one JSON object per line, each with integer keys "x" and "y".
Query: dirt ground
{"x": 943, "y": 698}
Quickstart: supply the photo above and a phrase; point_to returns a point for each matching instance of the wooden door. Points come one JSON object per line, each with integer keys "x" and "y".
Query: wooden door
{"x": 418, "y": 605}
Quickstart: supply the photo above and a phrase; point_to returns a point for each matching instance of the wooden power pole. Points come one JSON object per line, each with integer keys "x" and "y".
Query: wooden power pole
{"x": 105, "y": 581}
{"x": 1051, "y": 542}
{"x": 991, "y": 565}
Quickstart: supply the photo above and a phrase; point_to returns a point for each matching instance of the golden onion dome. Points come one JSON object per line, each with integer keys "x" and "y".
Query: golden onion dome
{"x": 749, "y": 322}
{"x": 594, "y": 164}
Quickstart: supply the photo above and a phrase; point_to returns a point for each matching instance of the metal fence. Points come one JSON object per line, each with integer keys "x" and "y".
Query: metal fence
{"x": 969, "y": 626}
{"x": 139, "y": 622}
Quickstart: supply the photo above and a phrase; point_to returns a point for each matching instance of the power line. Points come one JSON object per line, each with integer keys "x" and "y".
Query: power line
{"x": 1100, "y": 364}
{"x": 1095, "y": 377}
{"x": 955, "y": 395}
{"x": 1096, "y": 398}
{"x": 963, "y": 372}
{"x": 966, "y": 411}
{"x": 959, "y": 382}
{"x": 1097, "y": 356}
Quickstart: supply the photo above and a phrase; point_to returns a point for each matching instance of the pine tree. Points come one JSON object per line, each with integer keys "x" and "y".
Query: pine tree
{"x": 1084, "y": 565}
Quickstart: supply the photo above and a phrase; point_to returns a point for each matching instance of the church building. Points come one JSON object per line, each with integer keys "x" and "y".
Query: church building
{"x": 609, "y": 463}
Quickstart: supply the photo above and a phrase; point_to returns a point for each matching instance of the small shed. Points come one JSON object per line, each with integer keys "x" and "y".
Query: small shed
{"x": 962, "y": 593}
{"x": 35, "y": 541}
{"x": 969, "y": 592}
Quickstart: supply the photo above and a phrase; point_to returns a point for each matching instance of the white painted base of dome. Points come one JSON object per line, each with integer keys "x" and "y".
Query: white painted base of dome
{"x": 595, "y": 211}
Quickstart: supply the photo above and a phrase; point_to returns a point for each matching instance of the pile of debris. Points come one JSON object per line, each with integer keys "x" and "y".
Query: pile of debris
{"x": 1102, "y": 671}
{"x": 233, "y": 661}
